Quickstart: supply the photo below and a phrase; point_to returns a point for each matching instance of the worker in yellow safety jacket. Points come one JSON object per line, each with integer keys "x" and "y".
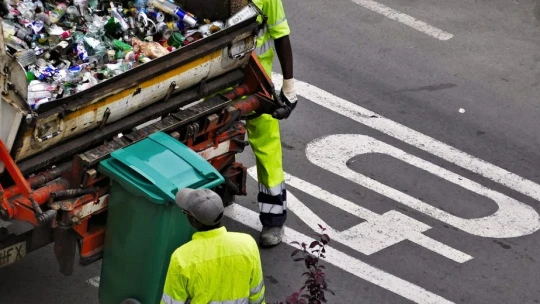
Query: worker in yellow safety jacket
{"x": 263, "y": 132}
{"x": 216, "y": 266}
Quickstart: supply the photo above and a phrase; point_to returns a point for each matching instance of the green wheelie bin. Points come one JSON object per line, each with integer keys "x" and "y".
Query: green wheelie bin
{"x": 144, "y": 226}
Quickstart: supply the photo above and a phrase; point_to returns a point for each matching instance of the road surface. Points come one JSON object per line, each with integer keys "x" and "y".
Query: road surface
{"x": 416, "y": 142}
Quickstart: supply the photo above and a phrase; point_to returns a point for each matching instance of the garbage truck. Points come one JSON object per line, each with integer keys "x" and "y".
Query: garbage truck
{"x": 51, "y": 191}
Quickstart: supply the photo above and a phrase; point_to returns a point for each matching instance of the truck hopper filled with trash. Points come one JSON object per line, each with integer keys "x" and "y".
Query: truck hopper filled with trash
{"x": 70, "y": 69}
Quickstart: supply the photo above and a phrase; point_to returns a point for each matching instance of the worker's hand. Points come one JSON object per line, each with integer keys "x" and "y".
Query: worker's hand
{"x": 289, "y": 99}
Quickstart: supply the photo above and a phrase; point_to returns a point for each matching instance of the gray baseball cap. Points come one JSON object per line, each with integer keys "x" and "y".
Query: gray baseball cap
{"x": 203, "y": 204}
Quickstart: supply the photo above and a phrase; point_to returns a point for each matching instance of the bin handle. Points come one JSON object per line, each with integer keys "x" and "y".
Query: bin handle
{"x": 200, "y": 164}
{"x": 143, "y": 169}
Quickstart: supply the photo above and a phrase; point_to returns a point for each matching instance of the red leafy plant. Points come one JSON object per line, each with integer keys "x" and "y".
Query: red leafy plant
{"x": 315, "y": 286}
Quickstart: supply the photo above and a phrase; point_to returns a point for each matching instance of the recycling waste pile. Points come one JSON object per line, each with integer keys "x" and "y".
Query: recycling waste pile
{"x": 68, "y": 47}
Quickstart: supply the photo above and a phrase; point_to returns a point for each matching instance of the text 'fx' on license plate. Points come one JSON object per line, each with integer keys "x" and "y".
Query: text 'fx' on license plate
{"x": 12, "y": 254}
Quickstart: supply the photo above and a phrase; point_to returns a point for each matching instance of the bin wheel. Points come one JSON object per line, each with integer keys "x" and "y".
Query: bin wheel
{"x": 130, "y": 301}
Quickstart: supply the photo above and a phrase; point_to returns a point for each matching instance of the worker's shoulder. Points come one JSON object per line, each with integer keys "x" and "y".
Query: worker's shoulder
{"x": 240, "y": 237}
{"x": 230, "y": 239}
{"x": 261, "y": 3}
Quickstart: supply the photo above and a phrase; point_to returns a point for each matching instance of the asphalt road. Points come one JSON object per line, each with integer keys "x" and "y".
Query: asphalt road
{"x": 445, "y": 220}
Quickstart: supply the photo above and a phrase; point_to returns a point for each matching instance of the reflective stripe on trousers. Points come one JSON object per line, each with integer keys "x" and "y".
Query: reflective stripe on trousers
{"x": 277, "y": 190}
{"x": 273, "y": 208}
{"x": 273, "y": 203}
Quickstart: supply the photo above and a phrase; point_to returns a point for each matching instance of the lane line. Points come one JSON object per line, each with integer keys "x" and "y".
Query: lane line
{"x": 345, "y": 262}
{"x": 410, "y": 21}
{"x": 413, "y": 138}
{"x": 378, "y": 232}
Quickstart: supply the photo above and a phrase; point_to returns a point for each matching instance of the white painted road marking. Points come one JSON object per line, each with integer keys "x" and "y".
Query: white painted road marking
{"x": 512, "y": 219}
{"x": 94, "y": 282}
{"x": 375, "y": 234}
{"x": 412, "y": 22}
{"x": 345, "y": 262}
{"x": 337, "y": 258}
{"x": 414, "y": 138}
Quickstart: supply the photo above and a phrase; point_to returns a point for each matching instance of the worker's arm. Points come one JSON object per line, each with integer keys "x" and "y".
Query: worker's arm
{"x": 285, "y": 55}
{"x": 279, "y": 31}
{"x": 175, "y": 290}
{"x": 257, "y": 289}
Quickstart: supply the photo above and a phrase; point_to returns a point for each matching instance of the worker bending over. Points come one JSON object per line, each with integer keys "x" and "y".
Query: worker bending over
{"x": 216, "y": 266}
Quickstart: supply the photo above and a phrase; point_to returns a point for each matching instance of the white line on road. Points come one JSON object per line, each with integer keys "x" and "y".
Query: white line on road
{"x": 94, "y": 282}
{"x": 375, "y": 234}
{"x": 414, "y": 138}
{"x": 345, "y": 262}
{"x": 512, "y": 218}
{"x": 404, "y": 18}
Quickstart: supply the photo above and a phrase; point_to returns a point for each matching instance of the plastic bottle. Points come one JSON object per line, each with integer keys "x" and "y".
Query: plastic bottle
{"x": 174, "y": 10}
{"x": 157, "y": 16}
{"x": 140, "y": 5}
{"x": 164, "y": 30}
{"x": 57, "y": 13}
{"x": 93, "y": 4}
{"x": 35, "y": 26}
{"x": 72, "y": 12}
{"x": 176, "y": 40}
{"x": 43, "y": 17}
{"x": 15, "y": 40}
{"x": 39, "y": 6}
{"x": 81, "y": 52}
{"x": 27, "y": 9}
{"x": 122, "y": 45}
{"x": 118, "y": 17}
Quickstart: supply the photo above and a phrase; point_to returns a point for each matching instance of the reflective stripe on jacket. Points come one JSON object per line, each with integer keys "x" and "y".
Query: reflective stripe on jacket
{"x": 216, "y": 267}
{"x": 276, "y": 27}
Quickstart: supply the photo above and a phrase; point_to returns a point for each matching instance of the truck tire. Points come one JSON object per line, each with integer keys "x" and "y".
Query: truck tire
{"x": 130, "y": 301}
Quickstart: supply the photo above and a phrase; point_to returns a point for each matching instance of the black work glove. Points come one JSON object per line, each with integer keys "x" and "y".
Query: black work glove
{"x": 288, "y": 98}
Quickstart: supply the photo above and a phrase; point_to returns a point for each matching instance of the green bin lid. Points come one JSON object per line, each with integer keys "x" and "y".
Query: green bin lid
{"x": 158, "y": 166}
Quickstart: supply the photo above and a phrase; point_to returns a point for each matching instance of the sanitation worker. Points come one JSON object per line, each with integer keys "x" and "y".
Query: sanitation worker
{"x": 216, "y": 266}
{"x": 263, "y": 132}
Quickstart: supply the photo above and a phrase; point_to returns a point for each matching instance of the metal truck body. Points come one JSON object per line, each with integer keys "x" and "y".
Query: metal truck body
{"x": 50, "y": 190}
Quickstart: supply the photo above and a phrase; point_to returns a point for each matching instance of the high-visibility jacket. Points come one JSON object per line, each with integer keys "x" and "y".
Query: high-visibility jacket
{"x": 215, "y": 267}
{"x": 276, "y": 27}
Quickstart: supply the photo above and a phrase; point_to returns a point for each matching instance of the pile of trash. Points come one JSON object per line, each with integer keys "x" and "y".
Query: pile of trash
{"x": 68, "y": 47}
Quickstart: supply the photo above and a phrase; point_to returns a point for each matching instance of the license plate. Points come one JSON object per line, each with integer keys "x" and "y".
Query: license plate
{"x": 12, "y": 254}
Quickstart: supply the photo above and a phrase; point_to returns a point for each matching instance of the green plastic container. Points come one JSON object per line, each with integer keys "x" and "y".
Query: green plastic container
{"x": 144, "y": 226}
